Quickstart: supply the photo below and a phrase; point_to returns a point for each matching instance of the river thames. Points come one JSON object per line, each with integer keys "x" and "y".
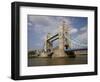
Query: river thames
{"x": 81, "y": 59}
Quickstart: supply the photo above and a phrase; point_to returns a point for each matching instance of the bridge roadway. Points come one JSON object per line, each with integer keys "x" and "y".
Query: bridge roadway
{"x": 79, "y": 49}
{"x": 53, "y": 38}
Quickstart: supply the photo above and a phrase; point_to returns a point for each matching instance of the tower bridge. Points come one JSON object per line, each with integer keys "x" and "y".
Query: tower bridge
{"x": 64, "y": 44}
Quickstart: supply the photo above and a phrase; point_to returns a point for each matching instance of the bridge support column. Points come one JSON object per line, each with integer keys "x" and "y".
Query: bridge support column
{"x": 61, "y": 42}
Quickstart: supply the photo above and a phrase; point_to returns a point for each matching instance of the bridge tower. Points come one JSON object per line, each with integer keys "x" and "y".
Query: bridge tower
{"x": 62, "y": 39}
{"x": 48, "y": 45}
{"x": 67, "y": 41}
{"x": 63, "y": 42}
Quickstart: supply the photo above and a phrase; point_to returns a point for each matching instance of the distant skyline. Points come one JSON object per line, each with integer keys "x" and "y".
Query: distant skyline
{"x": 40, "y": 25}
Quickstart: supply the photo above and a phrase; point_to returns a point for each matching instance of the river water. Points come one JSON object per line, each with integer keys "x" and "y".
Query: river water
{"x": 82, "y": 59}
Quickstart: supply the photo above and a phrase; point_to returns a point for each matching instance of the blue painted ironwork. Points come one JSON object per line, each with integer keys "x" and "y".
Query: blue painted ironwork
{"x": 80, "y": 49}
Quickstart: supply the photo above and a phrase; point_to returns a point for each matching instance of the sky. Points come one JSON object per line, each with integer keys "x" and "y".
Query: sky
{"x": 40, "y": 25}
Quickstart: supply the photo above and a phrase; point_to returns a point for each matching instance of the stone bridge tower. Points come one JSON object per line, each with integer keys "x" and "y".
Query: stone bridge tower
{"x": 63, "y": 42}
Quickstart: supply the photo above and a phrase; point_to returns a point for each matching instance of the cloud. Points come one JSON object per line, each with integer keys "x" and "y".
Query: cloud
{"x": 46, "y": 24}
{"x": 83, "y": 28}
{"x": 79, "y": 39}
{"x": 29, "y": 24}
{"x": 73, "y": 30}
{"x": 82, "y": 37}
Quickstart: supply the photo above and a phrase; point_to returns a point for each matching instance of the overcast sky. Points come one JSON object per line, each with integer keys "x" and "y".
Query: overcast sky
{"x": 39, "y": 26}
